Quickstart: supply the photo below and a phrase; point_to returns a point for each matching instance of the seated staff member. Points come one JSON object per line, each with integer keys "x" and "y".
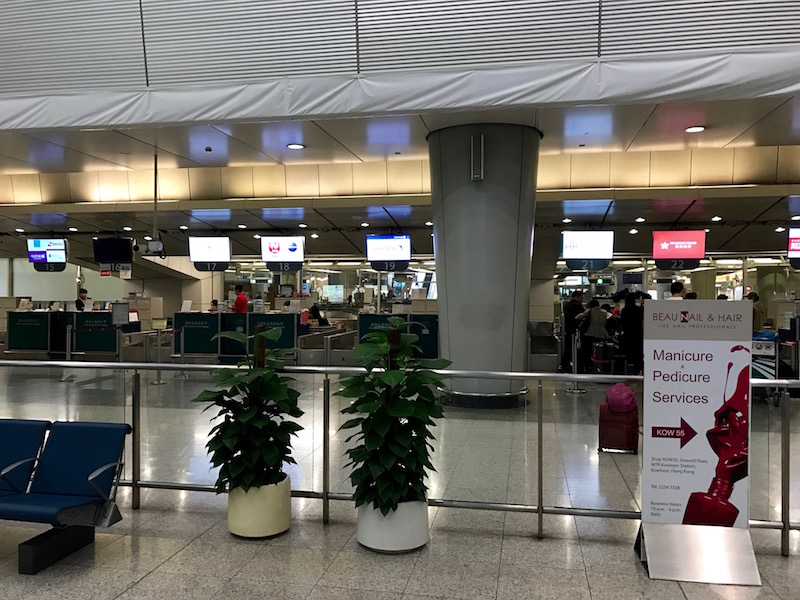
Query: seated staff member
{"x": 240, "y": 305}
{"x": 80, "y": 303}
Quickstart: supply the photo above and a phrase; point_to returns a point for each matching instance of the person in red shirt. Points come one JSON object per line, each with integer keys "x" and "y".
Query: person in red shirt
{"x": 240, "y": 306}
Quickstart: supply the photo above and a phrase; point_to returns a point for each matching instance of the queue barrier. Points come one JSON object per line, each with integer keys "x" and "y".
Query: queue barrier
{"x": 137, "y": 483}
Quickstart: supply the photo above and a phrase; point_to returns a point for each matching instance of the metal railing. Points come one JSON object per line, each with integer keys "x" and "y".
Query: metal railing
{"x": 137, "y": 483}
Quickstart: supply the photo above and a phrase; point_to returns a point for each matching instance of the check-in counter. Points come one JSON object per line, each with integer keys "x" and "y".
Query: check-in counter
{"x": 326, "y": 348}
{"x": 47, "y": 332}
{"x": 199, "y": 330}
{"x": 426, "y": 326}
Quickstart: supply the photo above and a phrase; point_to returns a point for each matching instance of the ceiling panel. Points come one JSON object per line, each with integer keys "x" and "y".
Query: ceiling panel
{"x": 115, "y": 147}
{"x": 381, "y": 138}
{"x": 730, "y": 209}
{"x": 49, "y": 157}
{"x": 783, "y": 210}
{"x": 580, "y": 211}
{"x": 410, "y": 216}
{"x": 271, "y": 139}
{"x": 291, "y": 217}
{"x": 376, "y": 216}
{"x": 202, "y": 144}
{"x": 595, "y": 128}
{"x": 781, "y": 127}
{"x": 724, "y": 121}
{"x": 752, "y": 238}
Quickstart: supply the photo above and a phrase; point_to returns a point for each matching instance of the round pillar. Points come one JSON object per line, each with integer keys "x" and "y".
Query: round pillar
{"x": 483, "y": 191}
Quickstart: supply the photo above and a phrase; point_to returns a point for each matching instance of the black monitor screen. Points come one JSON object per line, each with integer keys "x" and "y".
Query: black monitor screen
{"x": 113, "y": 250}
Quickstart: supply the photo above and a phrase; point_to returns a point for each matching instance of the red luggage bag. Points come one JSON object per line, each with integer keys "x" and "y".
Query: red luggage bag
{"x": 619, "y": 431}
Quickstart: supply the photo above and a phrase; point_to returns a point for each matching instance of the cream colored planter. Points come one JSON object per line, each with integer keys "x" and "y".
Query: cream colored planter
{"x": 400, "y": 531}
{"x": 262, "y": 511}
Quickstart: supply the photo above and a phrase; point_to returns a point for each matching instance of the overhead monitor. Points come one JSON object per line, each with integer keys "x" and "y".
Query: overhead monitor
{"x": 47, "y": 251}
{"x": 680, "y": 244}
{"x": 588, "y": 245}
{"x": 209, "y": 249}
{"x": 395, "y": 248}
{"x": 283, "y": 249}
{"x": 113, "y": 250}
{"x": 794, "y": 243}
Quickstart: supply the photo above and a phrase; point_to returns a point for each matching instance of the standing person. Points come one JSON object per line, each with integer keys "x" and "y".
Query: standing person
{"x": 690, "y": 296}
{"x": 758, "y": 312}
{"x": 80, "y": 303}
{"x": 595, "y": 332}
{"x": 572, "y": 309}
{"x": 240, "y": 305}
{"x": 677, "y": 290}
{"x": 632, "y": 318}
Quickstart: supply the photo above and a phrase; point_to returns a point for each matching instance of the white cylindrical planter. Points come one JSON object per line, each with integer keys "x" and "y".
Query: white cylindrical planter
{"x": 401, "y": 530}
{"x": 260, "y": 512}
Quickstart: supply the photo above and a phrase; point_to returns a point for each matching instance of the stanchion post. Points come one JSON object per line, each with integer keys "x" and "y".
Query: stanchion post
{"x": 136, "y": 422}
{"x": 326, "y": 447}
{"x": 540, "y": 463}
{"x": 575, "y": 389}
{"x": 785, "y": 472}
{"x": 182, "y": 374}
{"x": 158, "y": 380}
{"x": 69, "y": 342}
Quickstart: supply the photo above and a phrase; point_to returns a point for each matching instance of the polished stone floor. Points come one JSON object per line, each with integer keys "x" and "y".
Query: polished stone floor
{"x": 177, "y": 546}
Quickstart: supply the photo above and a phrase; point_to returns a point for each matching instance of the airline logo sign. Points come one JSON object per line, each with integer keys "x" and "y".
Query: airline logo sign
{"x": 282, "y": 249}
{"x": 679, "y": 244}
{"x": 794, "y": 242}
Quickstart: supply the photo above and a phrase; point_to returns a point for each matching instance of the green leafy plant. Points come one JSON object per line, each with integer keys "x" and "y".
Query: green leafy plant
{"x": 397, "y": 407}
{"x": 252, "y": 438}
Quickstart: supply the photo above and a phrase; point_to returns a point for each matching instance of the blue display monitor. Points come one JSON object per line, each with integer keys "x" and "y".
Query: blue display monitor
{"x": 49, "y": 251}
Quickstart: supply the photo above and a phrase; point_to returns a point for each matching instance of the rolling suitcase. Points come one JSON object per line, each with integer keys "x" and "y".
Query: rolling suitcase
{"x": 619, "y": 420}
{"x": 603, "y": 357}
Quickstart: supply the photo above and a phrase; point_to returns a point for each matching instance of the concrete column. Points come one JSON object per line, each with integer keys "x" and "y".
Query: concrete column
{"x": 546, "y": 248}
{"x": 770, "y": 282}
{"x": 704, "y": 284}
{"x": 483, "y": 190}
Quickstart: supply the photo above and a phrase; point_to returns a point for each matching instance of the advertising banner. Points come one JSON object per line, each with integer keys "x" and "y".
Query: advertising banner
{"x": 696, "y": 412}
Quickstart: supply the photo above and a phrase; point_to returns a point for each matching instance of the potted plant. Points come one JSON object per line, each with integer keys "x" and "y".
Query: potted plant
{"x": 396, "y": 407}
{"x": 251, "y": 440}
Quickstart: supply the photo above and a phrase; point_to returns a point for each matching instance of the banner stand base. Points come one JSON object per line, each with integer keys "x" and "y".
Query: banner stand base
{"x": 698, "y": 553}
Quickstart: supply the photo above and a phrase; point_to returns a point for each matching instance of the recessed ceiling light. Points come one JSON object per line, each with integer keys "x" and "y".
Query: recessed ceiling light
{"x": 256, "y": 237}
{"x": 73, "y": 229}
{"x": 640, "y": 219}
{"x": 695, "y": 129}
{"x": 148, "y": 238}
{"x": 796, "y": 218}
{"x": 566, "y": 220}
{"x": 315, "y": 235}
{"x": 431, "y": 235}
{"x": 184, "y": 227}
{"x": 127, "y": 228}
{"x": 716, "y": 218}
{"x": 365, "y": 224}
{"x": 429, "y": 223}
{"x": 708, "y": 231}
{"x": 633, "y": 231}
{"x": 94, "y": 237}
{"x": 302, "y": 225}
{"x": 780, "y": 229}
{"x": 19, "y": 230}
{"x": 295, "y": 146}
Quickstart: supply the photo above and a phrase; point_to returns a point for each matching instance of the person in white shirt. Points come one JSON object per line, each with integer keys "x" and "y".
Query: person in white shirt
{"x": 677, "y": 290}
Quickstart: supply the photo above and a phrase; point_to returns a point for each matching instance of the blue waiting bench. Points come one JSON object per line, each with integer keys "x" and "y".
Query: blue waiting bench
{"x": 63, "y": 474}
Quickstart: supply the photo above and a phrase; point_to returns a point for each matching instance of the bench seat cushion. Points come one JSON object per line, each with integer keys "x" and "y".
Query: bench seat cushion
{"x": 40, "y": 508}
